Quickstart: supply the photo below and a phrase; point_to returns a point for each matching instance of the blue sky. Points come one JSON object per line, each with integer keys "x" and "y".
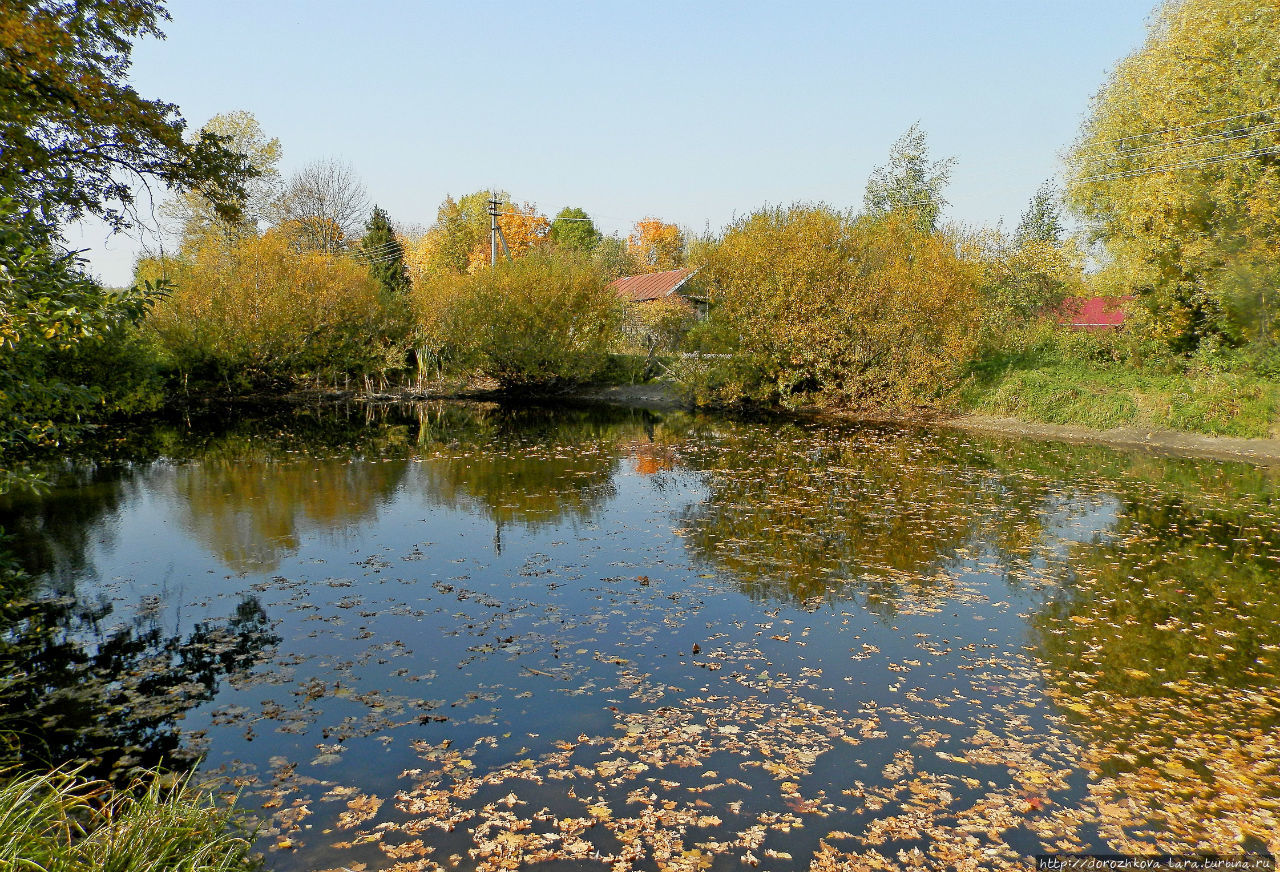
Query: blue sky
{"x": 691, "y": 112}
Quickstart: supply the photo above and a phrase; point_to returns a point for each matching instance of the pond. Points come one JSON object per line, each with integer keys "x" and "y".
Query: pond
{"x": 468, "y": 636}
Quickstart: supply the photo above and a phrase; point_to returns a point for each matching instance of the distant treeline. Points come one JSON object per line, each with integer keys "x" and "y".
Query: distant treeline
{"x": 272, "y": 284}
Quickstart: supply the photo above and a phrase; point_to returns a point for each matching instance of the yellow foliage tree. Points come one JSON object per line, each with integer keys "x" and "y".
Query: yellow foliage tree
{"x": 460, "y": 226}
{"x": 529, "y": 323}
{"x": 194, "y": 214}
{"x": 523, "y": 227}
{"x": 1025, "y": 279}
{"x": 313, "y": 233}
{"x": 259, "y": 312}
{"x": 1177, "y": 170}
{"x": 868, "y": 313}
{"x": 458, "y": 242}
{"x": 656, "y": 246}
{"x": 433, "y": 300}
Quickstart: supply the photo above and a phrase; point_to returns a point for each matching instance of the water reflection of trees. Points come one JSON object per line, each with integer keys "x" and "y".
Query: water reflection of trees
{"x": 250, "y": 512}
{"x": 246, "y": 487}
{"x": 1158, "y": 628}
{"x": 530, "y": 466}
{"x": 49, "y": 537}
{"x": 74, "y": 692}
{"x": 801, "y": 514}
{"x": 1161, "y": 643}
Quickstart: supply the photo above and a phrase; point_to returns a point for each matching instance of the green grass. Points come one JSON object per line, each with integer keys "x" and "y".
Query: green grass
{"x": 1106, "y": 395}
{"x": 62, "y": 823}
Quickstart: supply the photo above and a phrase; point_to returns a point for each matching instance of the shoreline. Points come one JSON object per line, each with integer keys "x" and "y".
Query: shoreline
{"x": 1177, "y": 443}
{"x": 660, "y": 397}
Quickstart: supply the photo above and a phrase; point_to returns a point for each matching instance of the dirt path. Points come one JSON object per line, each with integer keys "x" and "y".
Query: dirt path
{"x": 1261, "y": 451}
{"x": 660, "y": 397}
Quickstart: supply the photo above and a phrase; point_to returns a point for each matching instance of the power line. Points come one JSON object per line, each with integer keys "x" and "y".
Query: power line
{"x": 371, "y": 261}
{"x": 1146, "y": 171}
{"x": 357, "y": 252}
{"x": 1189, "y": 126}
{"x": 544, "y": 217}
{"x": 1190, "y": 142}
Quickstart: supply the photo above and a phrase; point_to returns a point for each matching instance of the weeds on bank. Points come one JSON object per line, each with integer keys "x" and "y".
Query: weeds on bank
{"x": 59, "y": 822}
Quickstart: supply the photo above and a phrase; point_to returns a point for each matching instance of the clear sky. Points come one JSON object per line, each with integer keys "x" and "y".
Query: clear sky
{"x": 688, "y": 111}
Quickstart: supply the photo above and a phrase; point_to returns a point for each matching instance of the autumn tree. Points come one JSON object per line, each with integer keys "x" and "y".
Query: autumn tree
{"x": 382, "y": 250}
{"x": 323, "y": 206}
{"x": 532, "y": 323}
{"x": 1027, "y": 275}
{"x": 259, "y": 313}
{"x": 195, "y": 214}
{"x": 458, "y": 242}
{"x": 74, "y": 138}
{"x": 523, "y": 227}
{"x": 1025, "y": 278}
{"x": 614, "y": 259}
{"x": 909, "y": 182}
{"x": 1176, "y": 169}
{"x": 869, "y": 313}
{"x": 656, "y": 246}
{"x": 460, "y": 226}
{"x": 75, "y": 135}
{"x": 573, "y": 228}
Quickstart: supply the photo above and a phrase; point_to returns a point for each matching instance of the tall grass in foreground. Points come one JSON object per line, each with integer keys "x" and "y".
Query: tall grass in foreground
{"x": 59, "y": 822}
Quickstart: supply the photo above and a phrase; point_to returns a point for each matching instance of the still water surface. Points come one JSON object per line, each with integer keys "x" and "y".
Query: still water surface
{"x": 467, "y": 636}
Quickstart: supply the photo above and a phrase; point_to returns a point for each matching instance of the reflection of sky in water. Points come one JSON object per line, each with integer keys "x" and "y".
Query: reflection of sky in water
{"x": 418, "y": 602}
{"x": 1080, "y": 517}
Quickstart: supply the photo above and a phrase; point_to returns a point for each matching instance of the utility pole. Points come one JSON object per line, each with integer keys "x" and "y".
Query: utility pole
{"x": 493, "y": 228}
{"x": 495, "y": 232}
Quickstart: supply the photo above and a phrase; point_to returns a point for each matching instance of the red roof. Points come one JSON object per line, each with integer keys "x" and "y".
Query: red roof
{"x": 1091, "y": 313}
{"x": 652, "y": 286}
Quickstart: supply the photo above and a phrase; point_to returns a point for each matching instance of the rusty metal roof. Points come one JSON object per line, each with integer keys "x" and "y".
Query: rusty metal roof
{"x": 1093, "y": 312}
{"x": 651, "y": 286}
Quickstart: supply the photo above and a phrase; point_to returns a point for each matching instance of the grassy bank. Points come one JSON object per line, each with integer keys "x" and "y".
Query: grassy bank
{"x": 69, "y": 824}
{"x": 1197, "y": 399}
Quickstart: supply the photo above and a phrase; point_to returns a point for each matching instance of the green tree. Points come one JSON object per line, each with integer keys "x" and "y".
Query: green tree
{"x": 909, "y": 182}
{"x": 614, "y": 259}
{"x": 51, "y": 314}
{"x": 1176, "y": 168}
{"x": 384, "y": 253}
{"x": 74, "y": 138}
{"x": 75, "y": 135}
{"x": 573, "y": 228}
{"x": 195, "y": 213}
{"x": 1041, "y": 221}
{"x": 1025, "y": 277}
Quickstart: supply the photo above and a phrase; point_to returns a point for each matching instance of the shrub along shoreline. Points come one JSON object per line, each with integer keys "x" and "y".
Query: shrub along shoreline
{"x": 806, "y": 308}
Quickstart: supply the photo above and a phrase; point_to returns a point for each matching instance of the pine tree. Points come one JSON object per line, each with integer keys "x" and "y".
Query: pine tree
{"x": 381, "y": 248}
